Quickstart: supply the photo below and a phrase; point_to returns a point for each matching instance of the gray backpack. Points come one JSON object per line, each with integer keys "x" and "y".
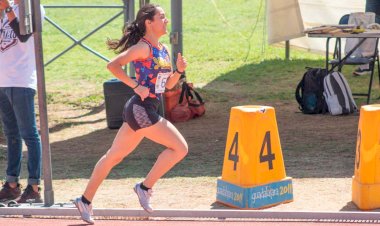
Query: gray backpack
{"x": 338, "y": 94}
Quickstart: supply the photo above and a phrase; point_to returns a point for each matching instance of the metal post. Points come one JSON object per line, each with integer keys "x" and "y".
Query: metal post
{"x": 129, "y": 16}
{"x": 143, "y": 2}
{"x": 44, "y": 129}
{"x": 287, "y": 49}
{"x": 176, "y": 33}
{"x": 25, "y": 13}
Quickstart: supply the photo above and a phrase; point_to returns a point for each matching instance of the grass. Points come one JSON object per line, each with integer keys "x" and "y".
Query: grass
{"x": 222, "y": 42}
{"x": 217, "y": 41}
{"x": 228, "y": 59}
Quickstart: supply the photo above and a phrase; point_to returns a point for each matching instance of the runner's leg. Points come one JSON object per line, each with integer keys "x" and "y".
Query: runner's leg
{"x": 165, "y": 133}
{"x": 124, "y": 143}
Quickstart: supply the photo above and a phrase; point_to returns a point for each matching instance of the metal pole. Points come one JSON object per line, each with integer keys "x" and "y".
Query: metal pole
{"x": 287, "y": 49}
{"x": 176, "y": 33}
{"x": 44, "y": 129}
{"x": 25, "y": 12}
{"x": 129, "y": 16}
{"x": 143, "y": 2}
{"x": 175, "y": 36}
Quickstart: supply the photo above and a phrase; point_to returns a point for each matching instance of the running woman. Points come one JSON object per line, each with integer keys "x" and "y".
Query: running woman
{"x": 140, "y": 45}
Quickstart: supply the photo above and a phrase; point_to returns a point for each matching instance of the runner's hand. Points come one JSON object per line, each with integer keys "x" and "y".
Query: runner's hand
{"x": 4, "y": 4}
{"x": 142, "y": 91}
{"x": 181, "y": 63}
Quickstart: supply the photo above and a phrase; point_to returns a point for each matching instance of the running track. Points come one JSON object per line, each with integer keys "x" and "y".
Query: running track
{"x": 71, "y": 222}
{"x": 113, "y": 217}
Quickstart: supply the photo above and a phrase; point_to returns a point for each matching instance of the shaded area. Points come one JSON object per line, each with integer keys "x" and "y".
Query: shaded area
{"x": 94, "y": 110}
{"x": 61, "y": 126}
{"x": 313, "y": 145}
{"x": 352, "y": 207}
{"x": 2, "y": 138}
{"x": 217, "y": 205}
{"x": 75, "y": 158}
{"x": 320, "y": 146}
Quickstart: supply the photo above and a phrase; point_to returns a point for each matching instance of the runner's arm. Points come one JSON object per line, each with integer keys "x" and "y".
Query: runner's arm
{"x": 181, "y": 67}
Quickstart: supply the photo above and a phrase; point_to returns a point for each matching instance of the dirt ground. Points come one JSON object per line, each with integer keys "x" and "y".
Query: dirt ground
{"x": 318, "y": 150}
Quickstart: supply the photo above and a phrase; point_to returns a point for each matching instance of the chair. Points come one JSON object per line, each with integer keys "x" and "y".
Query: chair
{"x": 357, "y": 57}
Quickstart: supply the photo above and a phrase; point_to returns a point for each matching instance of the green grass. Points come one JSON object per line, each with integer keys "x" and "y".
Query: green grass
{"x": 223, "y": 42}
{"x": 220, "y": 43}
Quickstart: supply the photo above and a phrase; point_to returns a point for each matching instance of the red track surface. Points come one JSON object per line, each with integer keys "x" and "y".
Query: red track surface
{"x": 70, "y": 222}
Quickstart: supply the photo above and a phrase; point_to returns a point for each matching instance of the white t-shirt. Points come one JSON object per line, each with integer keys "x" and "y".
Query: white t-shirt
{"x": 17, "y": 59}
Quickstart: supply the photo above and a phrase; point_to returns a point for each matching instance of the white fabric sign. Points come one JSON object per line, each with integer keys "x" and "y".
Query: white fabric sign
{"x": 284, "y": 20}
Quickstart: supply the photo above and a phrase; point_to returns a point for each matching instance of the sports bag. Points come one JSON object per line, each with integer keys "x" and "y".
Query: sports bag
{"x": 171, "y": 100}
{"x": 338, "y": 94}
{"x": 309, "y": 91}
{"x": 190, "y": 105}
{"x": 193, "y": 98}
{"x": 181, "y": 113}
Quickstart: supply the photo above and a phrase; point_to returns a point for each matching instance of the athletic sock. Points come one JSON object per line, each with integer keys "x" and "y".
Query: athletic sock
{"x": 142, "y": 186}
{"x": 84, "y": 200}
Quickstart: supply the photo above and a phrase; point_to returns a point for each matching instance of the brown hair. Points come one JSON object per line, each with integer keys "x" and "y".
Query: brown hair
{"x": 132, "y": 33}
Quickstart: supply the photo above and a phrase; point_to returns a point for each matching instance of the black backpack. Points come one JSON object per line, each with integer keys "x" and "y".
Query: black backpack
{"x": 309, "y": 92}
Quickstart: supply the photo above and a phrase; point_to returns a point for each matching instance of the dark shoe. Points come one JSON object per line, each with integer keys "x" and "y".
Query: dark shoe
{"x": 360, "y": 71}
{"x": 8, "y": 193}
{"x": 30, "y": 196}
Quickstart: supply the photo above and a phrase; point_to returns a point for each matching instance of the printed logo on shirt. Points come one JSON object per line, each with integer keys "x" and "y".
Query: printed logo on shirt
{"x": 163, "y": 63}
{"x": 7, "y": 37}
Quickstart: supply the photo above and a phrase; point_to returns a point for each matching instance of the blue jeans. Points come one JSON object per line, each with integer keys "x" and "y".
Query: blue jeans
{"x": 19, "y": 122}
{"x": 373, "y": 6}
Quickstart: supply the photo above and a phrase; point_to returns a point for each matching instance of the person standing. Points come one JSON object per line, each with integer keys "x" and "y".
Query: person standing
{"x": 140, "y": 45}
{"x": 18, "y": 85}
{"x": 374, "y": 7}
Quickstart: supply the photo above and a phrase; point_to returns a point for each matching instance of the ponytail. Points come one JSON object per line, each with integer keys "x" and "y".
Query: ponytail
{"x": 132, "y": 33}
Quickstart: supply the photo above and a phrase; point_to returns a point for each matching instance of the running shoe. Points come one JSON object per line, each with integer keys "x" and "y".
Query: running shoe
{"x": 144, "y": 197}
{"x": 84, "y": 210}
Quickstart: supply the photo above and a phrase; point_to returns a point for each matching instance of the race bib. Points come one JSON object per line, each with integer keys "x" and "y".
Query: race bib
{"x": 161, "y": 81}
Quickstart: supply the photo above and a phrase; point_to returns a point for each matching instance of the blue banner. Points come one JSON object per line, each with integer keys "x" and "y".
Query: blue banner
{"x": 254, "y": 197}
{"x": 270, "y": 194}
{"x": 231, "y": 194}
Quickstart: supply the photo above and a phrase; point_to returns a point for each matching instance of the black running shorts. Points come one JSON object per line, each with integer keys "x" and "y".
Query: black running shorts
{"x": 141, "y": 114}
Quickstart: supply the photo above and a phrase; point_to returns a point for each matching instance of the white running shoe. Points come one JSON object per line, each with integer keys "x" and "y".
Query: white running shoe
{"x": 144, "y": 197}
{"x": 84, "y": 210}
